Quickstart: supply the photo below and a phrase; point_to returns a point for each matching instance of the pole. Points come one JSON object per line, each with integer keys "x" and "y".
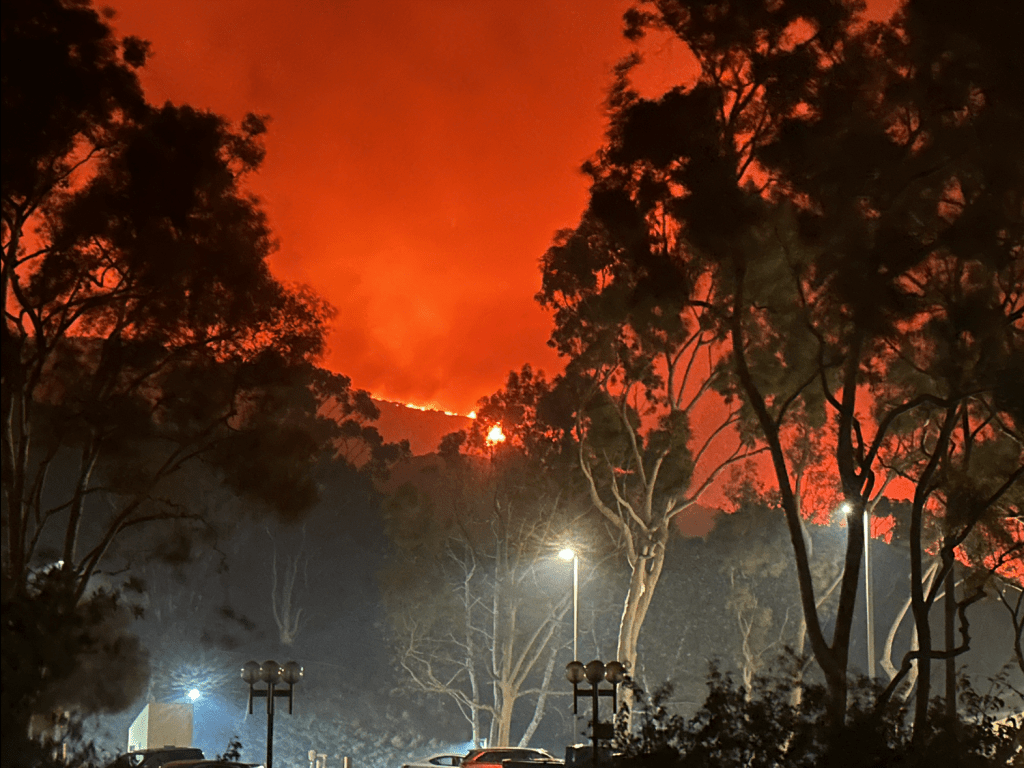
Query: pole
{"x": 869, "y": 605}
{"x": 950, "y": 611}
{"x": 270, "y": 726}
{"x": 576, "y": 730}
{"x": 271, "y": 673}
{"x": 575, "y": 606}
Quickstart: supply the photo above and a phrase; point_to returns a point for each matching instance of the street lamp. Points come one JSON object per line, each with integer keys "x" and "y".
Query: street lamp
{"x": 569, "y": 554}
{"x": 273, "y": 674}
{"x": 869, "y": 603}
{"x": 594, "y": 672}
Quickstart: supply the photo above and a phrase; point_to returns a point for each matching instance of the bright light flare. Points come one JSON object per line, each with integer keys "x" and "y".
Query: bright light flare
{"x": 567, "y": 554}
{"x": 846, "y": 508}
{"x": 194, "y": 694}
{"x": 495, "y": 435}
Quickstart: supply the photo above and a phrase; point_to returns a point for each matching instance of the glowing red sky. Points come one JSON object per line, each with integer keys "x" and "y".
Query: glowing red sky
{"x": 420, "y": 158}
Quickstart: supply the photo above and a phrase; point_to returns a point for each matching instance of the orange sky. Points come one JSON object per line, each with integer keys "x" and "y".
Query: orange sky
{"x": 421, "y": 155}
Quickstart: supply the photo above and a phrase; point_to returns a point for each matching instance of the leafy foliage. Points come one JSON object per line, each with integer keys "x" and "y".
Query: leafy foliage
{"x": 233, "y": 751}
{"x": 761, "y": 726}
{"x": 58, "y": 661}
{"x": 833, "y": 209}
{"x": 149, "y": 356}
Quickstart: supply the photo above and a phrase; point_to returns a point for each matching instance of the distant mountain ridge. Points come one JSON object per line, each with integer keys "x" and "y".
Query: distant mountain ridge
{"x": 422, "y": 428}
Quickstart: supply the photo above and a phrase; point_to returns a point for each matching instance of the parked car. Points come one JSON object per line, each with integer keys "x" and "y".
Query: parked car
{"x": 443, "y": 760}
{"x": 494, "y": 758}
{"x": 156, "y": 758}
{"x": 582, "y": 756}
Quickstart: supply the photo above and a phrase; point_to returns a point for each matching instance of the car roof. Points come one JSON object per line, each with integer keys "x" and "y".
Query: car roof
{"x": 156, "y": 756}
{"x": 436, "y": 755}
{"x": 192, "y": 752}
{"x": 513, "y": 750}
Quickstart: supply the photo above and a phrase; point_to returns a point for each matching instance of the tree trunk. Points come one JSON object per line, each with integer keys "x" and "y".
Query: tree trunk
{"x": 287, "y": 614}
{"x": 919, "y": 606}
{"x": 801, "y": 639}
{"x": 924, "y": 669}
{"x": 950, "y": 616}
{"x": 501, "y": 725}
{"x": 886, "y": 660}
{"x": 542, "y": 700}
{"x": 646, "y": 573}
{"x": 831, "y": 657}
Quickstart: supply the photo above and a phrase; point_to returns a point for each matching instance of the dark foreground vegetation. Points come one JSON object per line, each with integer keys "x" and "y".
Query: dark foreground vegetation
{"x": 777, "y": 722}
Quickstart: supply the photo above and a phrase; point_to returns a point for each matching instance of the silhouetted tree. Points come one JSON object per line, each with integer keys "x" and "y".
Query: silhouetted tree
{"x": 615, "y": 430}
{"x": 144, "y": 336}
{"x": 839, "y": 202}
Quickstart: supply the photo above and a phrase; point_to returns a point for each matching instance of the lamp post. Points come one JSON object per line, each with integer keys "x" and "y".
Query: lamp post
{"x": 273, "y": 674}
{"x": 869, "y": 603}
{"x": 594, "y": 672}
{"x": 569, "y": 554}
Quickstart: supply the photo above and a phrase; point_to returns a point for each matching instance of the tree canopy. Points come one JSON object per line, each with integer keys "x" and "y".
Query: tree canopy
{"x": 835, "y": 209}
{"x": 145, "y": 339}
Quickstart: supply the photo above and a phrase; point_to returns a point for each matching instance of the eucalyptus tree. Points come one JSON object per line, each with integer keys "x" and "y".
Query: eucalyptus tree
{"x": 149, "y": 355}
{"x": 477, "y": 617}
{"x": 836, "y": 206}
{"x": 651, "y": 436}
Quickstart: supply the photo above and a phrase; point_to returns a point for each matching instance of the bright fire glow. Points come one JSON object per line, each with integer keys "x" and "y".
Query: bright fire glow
{"x": 435, "y": 409}
{"x": 495, "y": 435}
